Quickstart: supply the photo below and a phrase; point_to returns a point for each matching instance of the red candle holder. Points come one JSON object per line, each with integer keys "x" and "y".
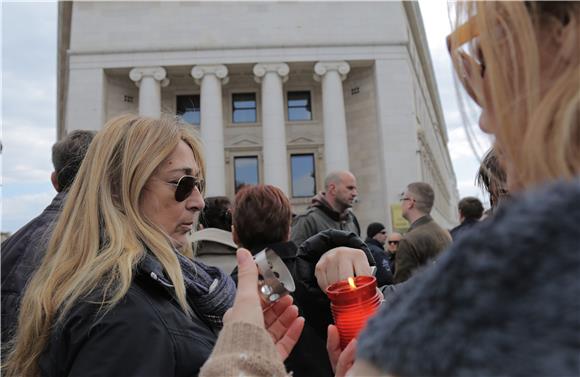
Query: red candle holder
{"x": 352, "y": 306}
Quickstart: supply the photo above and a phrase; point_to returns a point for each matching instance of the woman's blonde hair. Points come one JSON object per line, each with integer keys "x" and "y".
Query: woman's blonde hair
{"x": 532, "y": 66}
{"x": 101, "y": 233}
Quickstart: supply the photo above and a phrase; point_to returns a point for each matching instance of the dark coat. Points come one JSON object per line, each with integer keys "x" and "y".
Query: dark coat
{"x": 145, "y": 334}
{"x": 487, "y": 307}
{"x": 316, "y": 305}
{"x": 21, "y": 255}
{"x": 321, "y": 216}
{"x": 421, "y": 244}
{"x": 309, "y": 356}
{"x": 383, "y": 274}
{"x": 462, "y": 228}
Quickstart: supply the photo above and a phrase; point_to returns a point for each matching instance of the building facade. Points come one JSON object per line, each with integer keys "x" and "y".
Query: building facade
{"x": 281, "y": 92}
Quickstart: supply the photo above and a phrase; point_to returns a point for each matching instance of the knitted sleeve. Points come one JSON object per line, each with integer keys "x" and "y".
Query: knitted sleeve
{"x": 243, "y": 349}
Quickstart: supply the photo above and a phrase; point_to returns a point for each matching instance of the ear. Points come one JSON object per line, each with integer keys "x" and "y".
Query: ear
{"x": 54, "y": 181}
{"x": 235, "y": 236}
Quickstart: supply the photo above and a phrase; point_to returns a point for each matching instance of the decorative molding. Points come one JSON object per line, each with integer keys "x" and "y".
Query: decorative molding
{"x": 157, "y": 73}
{"x": 244, "y": 141}
{"x": 301, "y": 140}
{"x": 218, "y": 70}
{"x": 321, "y": 68}
{"x": 261, "y": 69}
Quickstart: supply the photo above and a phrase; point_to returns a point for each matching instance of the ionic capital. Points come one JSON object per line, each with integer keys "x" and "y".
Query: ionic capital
{"x": 157, "y": 73}
{"x": 218, "y": 70}
{"x": 281, "y": 69}
{"x": 321, "y": 68}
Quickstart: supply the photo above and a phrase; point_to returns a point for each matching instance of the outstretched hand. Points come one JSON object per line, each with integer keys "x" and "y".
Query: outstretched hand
{"x": 281, "y": 319}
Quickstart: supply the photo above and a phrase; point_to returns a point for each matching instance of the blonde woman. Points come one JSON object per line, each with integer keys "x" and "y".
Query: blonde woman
{"x": 114, "y": 295}
{"x": 504, "y": 300}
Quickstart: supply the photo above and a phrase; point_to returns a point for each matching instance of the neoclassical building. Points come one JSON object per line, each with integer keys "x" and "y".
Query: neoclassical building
{"x": 281, "y": 92}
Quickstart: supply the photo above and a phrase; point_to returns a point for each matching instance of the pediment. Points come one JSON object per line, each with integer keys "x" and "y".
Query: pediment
{"x": 301, "y": 140}
{"x": 245, "y": 141}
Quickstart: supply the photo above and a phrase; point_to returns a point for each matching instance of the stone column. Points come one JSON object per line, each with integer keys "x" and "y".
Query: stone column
{"x": 150, "y": 80}
{"x": 335, "y": 139}
{"x": 211, "y": 78}
{"x": 272, "y": 76}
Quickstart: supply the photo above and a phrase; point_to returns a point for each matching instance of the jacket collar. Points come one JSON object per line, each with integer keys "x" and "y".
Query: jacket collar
{"x": 421, "y": 221}
{"x": 320, "y": 202}
{"x": 152, "y": 268}
{"x": 374, "y": 242}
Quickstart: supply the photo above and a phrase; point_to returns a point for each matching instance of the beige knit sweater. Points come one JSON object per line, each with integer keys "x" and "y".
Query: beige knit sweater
{"x": 243, "y": 349}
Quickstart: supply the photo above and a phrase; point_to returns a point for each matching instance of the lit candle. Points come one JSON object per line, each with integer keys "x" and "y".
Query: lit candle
{"x": 353, "y": 302}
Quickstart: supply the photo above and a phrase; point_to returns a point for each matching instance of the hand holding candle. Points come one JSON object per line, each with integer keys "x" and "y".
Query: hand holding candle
{"x": 353, "y": 302}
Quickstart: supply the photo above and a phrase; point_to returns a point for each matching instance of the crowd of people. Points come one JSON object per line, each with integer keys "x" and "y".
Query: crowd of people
{"x": 131, "y": 272}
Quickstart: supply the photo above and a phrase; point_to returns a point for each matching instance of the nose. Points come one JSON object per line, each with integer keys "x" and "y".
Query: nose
{"x": 194, "y": 201}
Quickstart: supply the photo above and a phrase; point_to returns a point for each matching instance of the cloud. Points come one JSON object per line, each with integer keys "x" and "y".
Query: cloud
{"x": 28, "y": 109}
{"x": 465, "y": 160}
{"x": 20, "y": 210}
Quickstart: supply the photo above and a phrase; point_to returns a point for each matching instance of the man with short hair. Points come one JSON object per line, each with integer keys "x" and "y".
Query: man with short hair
{"x": 392, "y": 245}
{"x": 23, "y": 251}
{"x": 330, "y": 209}
{"x": 470, "y": 211}
{"x": 425, "y": 238}
{"x": 376, "y": 238}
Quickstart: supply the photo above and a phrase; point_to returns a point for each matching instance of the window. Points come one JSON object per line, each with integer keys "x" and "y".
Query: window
{"x": 244, "y": 108}
{"x": 245, "y": 171}
{"x": 299, "y": 106}
{"x": 188, "y": 107}
{"x": 303, "y": 175}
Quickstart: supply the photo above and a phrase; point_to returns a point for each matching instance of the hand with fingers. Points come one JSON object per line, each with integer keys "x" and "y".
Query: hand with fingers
{"x": 280, "y": 319}
{"x": 341, "y": 360}
{"x": 339, "y": 264}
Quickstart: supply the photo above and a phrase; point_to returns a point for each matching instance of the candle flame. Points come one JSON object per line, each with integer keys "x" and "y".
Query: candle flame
{"x": 351, "y": 283}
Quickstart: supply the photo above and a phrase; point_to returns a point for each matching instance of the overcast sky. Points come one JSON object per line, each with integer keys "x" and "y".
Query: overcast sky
{"x": 29, "y": 106}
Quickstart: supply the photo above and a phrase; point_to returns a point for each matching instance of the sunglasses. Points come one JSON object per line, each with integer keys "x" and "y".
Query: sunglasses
{"x": 185, "y": 186}
{"x": 470, "y": 69}
{"x": 393, "y": 242}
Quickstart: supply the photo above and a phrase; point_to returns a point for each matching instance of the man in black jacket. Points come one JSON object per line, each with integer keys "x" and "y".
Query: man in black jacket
{"x": 23, "y": 251}
{"x": 376, "y": 237}
{"x": 470, "y": 211}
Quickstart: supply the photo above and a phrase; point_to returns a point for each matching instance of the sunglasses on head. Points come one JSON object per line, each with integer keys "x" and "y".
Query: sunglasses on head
{"x": 393, "y": 242}
{"x": 470, "y": 69}
{"x": 185, "y": 186}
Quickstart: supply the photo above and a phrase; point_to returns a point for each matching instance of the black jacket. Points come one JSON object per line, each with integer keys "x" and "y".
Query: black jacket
{"x": 21, "y": 255}
{"x": 463, "y": 227}
{"x": 145, "y": 334}
{"x": 315, "y": 304}
{"x": 309, "y": 356}
{"x": 383, "y": 274}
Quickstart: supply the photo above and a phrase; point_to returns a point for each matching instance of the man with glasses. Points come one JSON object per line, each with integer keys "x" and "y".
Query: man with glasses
{"x": 392, "y": 245}
{"x": 425, "y": 238}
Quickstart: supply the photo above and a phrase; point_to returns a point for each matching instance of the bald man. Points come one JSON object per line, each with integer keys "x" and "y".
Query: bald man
{"x": 330, "y": 209}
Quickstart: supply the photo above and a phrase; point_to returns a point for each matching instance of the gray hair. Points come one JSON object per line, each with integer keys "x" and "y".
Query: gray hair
{"x": 423, "y": 195}
{"x": 68, "y": 154}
